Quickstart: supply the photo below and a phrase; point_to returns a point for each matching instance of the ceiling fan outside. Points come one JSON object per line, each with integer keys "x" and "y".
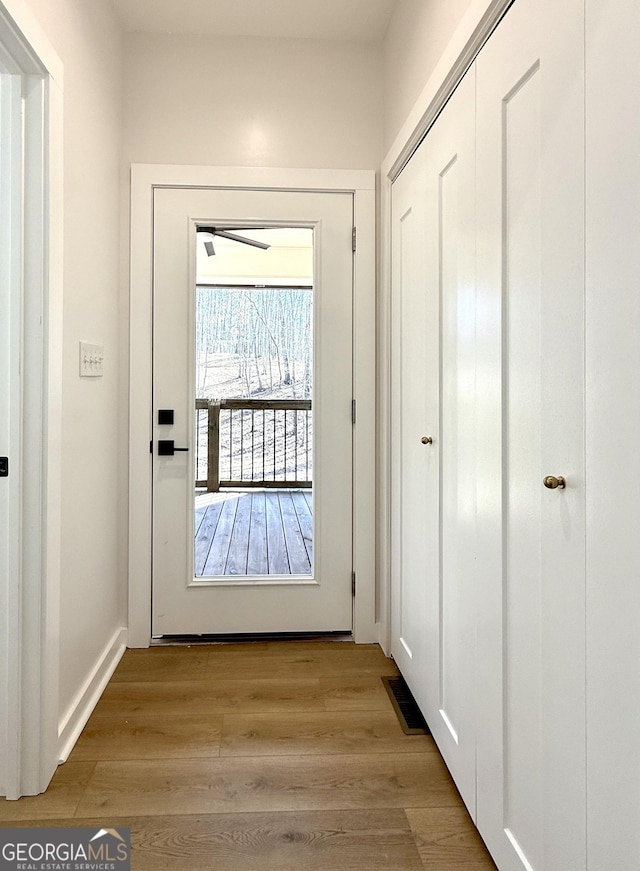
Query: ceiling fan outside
{"x": 226, "y": 234}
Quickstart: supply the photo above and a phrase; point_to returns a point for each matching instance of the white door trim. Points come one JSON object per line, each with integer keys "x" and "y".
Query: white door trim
{"x": 146, "y": 177}
{"x": 476, "y": 26}
{"x": 29, "y": 591}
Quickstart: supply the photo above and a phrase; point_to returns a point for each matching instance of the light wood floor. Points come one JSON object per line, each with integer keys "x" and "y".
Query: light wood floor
{"x": 259, "y": 757}
{"x": 259, "y": 532}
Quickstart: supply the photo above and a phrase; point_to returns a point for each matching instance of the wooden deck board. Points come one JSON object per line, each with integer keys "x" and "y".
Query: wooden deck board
{"x": 277, "y": 547}
{"x": 305, "y": 519}
{"x": 257, "y": 561}
{"x": 239, "y": 544}
{"x": 298, "y": 560}
{"x": 217, "y": 560}
{"x": 205, "y": 532}
{"x": 308, "y": 496}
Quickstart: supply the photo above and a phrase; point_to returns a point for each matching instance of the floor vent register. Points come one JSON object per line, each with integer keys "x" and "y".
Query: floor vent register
{"x": 405, "y": 706}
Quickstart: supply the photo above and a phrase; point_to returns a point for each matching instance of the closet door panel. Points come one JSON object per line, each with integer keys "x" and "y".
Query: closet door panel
{"x": 415, "y": 503}
{"x": 530, "y": 169}
{"x": 434, "y": 510}
{"x": 451, "y": 269}
{"x": 613, "y": 434}
{"x": 524, "y": 519}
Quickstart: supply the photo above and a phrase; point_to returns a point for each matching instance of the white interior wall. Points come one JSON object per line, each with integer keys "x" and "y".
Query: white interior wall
{"x": 93, "y": 592}
{"x": 245, "y": 101}
{"x": 417, "y": 37}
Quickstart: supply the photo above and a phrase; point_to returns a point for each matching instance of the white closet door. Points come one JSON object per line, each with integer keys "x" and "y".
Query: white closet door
{"x": 613, "y": 434}
{"x": 433, "y": 612}
{"x": 415, "y": 500}
{"x": 531, "y": 566}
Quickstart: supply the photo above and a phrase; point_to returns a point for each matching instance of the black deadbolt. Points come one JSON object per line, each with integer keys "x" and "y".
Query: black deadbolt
{"x": 4, "y": 467}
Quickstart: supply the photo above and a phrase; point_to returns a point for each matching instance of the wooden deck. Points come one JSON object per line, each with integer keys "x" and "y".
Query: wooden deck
{"x": 260, "y": 532}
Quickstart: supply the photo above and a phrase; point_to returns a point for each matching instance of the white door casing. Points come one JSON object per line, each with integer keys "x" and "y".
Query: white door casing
{"x": 433, "y": 609}
{"x": 11, "y": 173}
{"x": 362, "y": 185}
{"x": 322, "y": 601}
{"x": 30, "y": 395}
{"x": 531, "y": 540}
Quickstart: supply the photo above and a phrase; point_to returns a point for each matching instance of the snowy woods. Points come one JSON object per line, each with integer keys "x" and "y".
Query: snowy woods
{"x": 254, "y": 342}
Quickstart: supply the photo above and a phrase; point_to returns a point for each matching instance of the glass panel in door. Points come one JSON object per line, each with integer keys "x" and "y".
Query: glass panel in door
{"x": 253, "y": 402}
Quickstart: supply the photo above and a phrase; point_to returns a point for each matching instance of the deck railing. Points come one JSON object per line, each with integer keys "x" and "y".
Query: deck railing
{"x": 253, "y": 443}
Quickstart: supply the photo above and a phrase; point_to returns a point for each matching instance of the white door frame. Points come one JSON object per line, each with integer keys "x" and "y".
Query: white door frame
{"x": 30, "y": 571}
{"x": 476, "y": 26}
{"x": 361, "y": 183}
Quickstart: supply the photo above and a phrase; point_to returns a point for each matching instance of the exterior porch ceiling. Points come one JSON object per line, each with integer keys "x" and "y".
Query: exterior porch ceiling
{"x": 348, "y": 20}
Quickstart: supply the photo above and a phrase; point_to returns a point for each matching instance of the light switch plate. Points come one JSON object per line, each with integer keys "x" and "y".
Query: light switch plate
{"x": 91, "y": 360}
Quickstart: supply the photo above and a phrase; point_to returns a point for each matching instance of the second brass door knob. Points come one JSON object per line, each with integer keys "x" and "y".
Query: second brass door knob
{"x": 426, "y": 440}
{"x": 554, "y": 482}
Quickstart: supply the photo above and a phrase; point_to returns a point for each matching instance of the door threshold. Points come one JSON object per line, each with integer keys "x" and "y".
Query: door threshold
{"x": 248, "y": 638}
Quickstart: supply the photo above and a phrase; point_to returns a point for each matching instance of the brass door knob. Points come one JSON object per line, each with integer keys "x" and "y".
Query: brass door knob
{"x": 426, "y": 440}
{"x": 554, "y": 482}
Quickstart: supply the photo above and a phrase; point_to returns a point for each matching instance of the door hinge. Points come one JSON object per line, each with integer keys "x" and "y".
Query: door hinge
{"x": 353, "y": 584}
{"x": 353, "y": 240}
{"x": 353, "y": 411}
{"x": 151, "y": 447}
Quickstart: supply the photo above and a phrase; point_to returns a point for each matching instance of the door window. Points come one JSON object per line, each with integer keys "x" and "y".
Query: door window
{"x": 254, "y": 402}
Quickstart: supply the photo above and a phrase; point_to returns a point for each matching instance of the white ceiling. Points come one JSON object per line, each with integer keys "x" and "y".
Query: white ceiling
{"x": 357, "y": 20}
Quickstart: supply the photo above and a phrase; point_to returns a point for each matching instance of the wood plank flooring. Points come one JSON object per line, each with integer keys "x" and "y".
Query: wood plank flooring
{"x": 260, "y": 757}
{"x": 260, "y": 532}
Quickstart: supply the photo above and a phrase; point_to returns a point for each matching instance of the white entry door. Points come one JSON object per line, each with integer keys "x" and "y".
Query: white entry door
{"x": 434, "y": 584}
{"x": 187, "y": 602}
{"x": 530, "y": 435}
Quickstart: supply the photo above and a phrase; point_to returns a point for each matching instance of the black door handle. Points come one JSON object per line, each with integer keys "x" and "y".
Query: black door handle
{"x": 167, "y": 448}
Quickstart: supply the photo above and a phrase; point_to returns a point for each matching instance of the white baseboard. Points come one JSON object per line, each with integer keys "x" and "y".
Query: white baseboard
{"x": 78, "y": 713}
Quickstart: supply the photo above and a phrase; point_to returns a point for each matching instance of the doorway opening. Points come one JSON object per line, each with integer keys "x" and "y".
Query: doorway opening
{"x": 167, "y": 204}
{"x": 254, "y": 325}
